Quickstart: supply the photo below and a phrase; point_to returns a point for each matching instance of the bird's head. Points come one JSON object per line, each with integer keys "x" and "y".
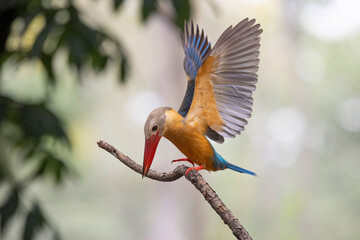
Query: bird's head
{"x": 154, "y": 129}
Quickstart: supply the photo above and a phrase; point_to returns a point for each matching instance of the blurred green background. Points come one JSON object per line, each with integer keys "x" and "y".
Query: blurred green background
{"x": 75, "y": 72}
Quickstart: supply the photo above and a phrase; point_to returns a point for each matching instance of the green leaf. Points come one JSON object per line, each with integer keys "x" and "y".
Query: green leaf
{"x": 40, "y": 40}
{"x": 9, "y": 208}
{"x": 38, "y": 121}
{"x": 34, "y": 222}
{"x": 52, "y": 166}
{"x": 55, "y": 167}
{"x": 46, "y": 60}
{"x": 4, "y": 56}
{"x": 98, "y": 60}
{"x": 83, "y": 44}
{"x": 182, "y": 8}
{"x": 30, "y": 149}
{"x": 117, "y": 4}
{"x": 4, "y": 105}
{"x": 124, "y": 66}
{"x": 148, "y": 7}
{"x": 41, "y": 169}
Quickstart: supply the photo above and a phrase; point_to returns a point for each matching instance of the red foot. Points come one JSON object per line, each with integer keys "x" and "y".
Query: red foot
{"x": 183, "y": 160}
{"x": 195, "y": 168}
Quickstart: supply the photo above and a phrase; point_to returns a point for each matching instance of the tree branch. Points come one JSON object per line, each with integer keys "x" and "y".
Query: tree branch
{"x": 196, "y": 179}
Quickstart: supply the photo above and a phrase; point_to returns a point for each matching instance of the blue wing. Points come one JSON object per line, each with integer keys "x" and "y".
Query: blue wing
{"x": 197, "y": 49}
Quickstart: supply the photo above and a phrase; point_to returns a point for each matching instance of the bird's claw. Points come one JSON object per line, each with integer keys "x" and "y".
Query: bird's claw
{"x": 194, "y": 168}
{"x": 183, "y": 160}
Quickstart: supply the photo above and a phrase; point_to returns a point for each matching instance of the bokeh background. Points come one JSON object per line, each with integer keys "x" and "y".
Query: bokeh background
{"x": 75, "y": 72}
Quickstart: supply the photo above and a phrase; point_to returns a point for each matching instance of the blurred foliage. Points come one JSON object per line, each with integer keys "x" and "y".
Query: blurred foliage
{"x": 27, "y": 128}
{"x": 60, "y": 27}
{"x": 181, "y": 11}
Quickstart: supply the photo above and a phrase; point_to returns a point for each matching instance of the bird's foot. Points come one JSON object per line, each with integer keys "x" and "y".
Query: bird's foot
{"x": 183, "y": 160}
{"x": 194, "y": 168}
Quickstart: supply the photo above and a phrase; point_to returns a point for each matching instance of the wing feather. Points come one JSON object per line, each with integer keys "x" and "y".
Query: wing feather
{"x": 197, "y": 49}
{"x": 227, "y": 79}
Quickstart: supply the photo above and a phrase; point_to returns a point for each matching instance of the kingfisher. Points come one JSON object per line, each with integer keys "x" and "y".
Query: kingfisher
{"x": 218, "y": 99}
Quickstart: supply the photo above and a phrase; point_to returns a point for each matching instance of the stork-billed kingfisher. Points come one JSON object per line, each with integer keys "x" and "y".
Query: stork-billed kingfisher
{"x": 218, "y": 100}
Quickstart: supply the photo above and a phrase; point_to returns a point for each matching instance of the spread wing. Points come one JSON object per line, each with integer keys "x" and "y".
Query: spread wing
{"x": 226, "y": 80}
{"x": 197, "y": 49}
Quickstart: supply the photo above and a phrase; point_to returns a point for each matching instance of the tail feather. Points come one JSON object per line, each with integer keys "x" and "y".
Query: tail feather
{"x": 221, "y": 163}
{"x": 239, "y": 169}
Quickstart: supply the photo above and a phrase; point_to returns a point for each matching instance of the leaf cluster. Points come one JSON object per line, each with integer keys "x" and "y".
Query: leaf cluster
{"x": 32, "y": 135}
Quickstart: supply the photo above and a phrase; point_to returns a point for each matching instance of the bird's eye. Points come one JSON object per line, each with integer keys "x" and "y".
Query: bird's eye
{"x": 154, "y": 128}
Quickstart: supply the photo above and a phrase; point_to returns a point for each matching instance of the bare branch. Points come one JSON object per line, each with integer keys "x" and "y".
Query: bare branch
{"x": 196, "y": 179}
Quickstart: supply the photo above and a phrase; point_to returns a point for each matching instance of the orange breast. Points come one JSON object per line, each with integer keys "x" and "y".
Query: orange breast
{"x": 188, "y": 140}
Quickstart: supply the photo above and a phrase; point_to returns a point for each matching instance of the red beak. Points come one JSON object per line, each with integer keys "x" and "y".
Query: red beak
{"x": 150, "y": 148}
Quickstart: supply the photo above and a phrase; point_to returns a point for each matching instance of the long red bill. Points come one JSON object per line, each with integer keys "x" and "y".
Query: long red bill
{"x": 150, "y": 148}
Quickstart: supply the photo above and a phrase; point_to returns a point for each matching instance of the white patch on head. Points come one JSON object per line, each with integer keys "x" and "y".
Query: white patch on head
{"x": 156, "y": 118}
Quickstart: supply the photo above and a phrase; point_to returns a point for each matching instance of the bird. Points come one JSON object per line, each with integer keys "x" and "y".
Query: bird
{"x": 218, "y": 99}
